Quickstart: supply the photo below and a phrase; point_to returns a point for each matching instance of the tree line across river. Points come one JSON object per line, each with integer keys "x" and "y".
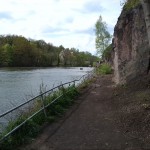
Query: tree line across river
{"x": 17, "y": 51}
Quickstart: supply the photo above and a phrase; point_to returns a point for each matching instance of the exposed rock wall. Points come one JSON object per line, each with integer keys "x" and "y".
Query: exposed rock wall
{"x": 130, "y": 46}
{"x": 146, "y": 9}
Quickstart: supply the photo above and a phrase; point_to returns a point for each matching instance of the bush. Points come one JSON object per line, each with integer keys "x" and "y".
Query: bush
{"x": 130, "y": 4}
{"x": 104, "y": 69}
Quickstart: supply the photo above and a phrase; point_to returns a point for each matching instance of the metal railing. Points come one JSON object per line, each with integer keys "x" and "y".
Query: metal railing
{"x": 26, "y": 107}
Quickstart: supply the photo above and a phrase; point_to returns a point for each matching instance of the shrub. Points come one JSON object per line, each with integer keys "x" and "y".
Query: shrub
{"x": 104, "y": 69}
{"x": 130, "y": 4}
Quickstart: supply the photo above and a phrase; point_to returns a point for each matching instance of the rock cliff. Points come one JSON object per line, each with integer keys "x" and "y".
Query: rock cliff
{"x": 130, "y": 46}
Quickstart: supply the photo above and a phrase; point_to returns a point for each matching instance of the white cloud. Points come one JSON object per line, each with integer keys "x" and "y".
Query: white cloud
{"x": 62, "y": 22}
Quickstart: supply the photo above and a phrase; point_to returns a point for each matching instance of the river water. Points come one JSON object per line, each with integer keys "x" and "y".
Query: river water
{"x": 19, "y": 84}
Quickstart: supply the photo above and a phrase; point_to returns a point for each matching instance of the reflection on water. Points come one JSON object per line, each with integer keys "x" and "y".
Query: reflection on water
{"x": 19, "y": 84}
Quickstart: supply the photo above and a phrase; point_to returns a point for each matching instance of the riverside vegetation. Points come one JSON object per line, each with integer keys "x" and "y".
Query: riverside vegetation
{"x": 32, "y": 127}
{"x": 104, "y": 69}
{"x": 17, "y": 51}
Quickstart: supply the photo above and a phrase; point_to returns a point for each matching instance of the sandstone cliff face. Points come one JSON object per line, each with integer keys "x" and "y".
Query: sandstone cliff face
{"x": 130, "y": 46}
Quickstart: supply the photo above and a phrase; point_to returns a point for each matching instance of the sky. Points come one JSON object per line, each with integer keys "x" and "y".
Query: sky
{"x": 70, "y": 23}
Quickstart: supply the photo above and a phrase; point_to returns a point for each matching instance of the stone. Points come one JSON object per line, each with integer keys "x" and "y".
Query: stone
{"x": 130, "y": 46}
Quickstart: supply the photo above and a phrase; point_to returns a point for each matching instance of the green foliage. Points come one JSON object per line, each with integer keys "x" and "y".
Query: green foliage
{"x": 86, "y": 83}
{"x": 104, "y": 69}
{"x": 106, "y": 55}
{"x": 130, "y": 4}
{"x": 22, "y": 135}
{"x": 32, "y": 127}
{"x": 17, "y": 51}
{"x": 103, "y": 37}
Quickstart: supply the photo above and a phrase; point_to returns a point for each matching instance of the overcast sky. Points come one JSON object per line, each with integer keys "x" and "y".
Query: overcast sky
{"x": 61, "y": 22}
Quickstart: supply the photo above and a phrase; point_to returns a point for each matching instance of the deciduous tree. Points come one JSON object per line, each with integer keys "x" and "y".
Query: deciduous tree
{"x": 103, "y": 37}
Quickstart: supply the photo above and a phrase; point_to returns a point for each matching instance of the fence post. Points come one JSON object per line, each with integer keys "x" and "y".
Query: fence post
{"x": 63, "y": 89}
{"x": 74, "y": 83}
{"x": 42, "y": 98}
{"x": 84, "y": 78}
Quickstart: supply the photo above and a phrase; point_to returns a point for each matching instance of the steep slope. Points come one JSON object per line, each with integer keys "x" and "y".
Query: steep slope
{"x": 130, "y": 46}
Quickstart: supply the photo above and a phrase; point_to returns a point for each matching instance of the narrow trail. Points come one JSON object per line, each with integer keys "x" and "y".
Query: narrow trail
{"x": 90, "y": 125}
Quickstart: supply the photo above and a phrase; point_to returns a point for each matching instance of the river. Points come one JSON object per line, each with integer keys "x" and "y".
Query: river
{"x": 20, "y": 84}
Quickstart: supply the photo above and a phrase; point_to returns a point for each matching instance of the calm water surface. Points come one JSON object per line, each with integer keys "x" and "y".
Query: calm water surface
{"x": 19, "y": 84}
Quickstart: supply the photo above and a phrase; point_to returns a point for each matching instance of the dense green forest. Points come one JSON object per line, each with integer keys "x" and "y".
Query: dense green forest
{"x": 17, "y": 51}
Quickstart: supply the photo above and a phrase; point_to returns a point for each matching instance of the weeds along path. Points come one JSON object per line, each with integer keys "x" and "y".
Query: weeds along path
{"x": 89, "y": 125}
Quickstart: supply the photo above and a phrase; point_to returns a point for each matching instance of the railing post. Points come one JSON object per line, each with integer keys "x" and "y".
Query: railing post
{"x": 42, "y": 99}
{"x": 74, "y": 83}
{"x": 83, "y": 78}
{"x": 62, "y": 85}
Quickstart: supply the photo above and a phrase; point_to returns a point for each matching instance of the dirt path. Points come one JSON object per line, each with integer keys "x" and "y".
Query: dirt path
{"x": 91, "y": 124}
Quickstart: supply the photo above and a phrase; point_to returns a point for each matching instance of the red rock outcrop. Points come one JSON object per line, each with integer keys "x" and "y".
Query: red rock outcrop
{"x": 130, "y": 46}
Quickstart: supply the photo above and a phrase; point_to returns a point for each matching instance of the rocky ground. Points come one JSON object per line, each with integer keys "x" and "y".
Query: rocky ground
{"x": 103, "y": 117}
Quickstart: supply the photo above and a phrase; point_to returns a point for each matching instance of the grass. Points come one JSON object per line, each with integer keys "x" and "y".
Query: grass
{"x": 32, "y": 127}
{"x": 104, "y": 69}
